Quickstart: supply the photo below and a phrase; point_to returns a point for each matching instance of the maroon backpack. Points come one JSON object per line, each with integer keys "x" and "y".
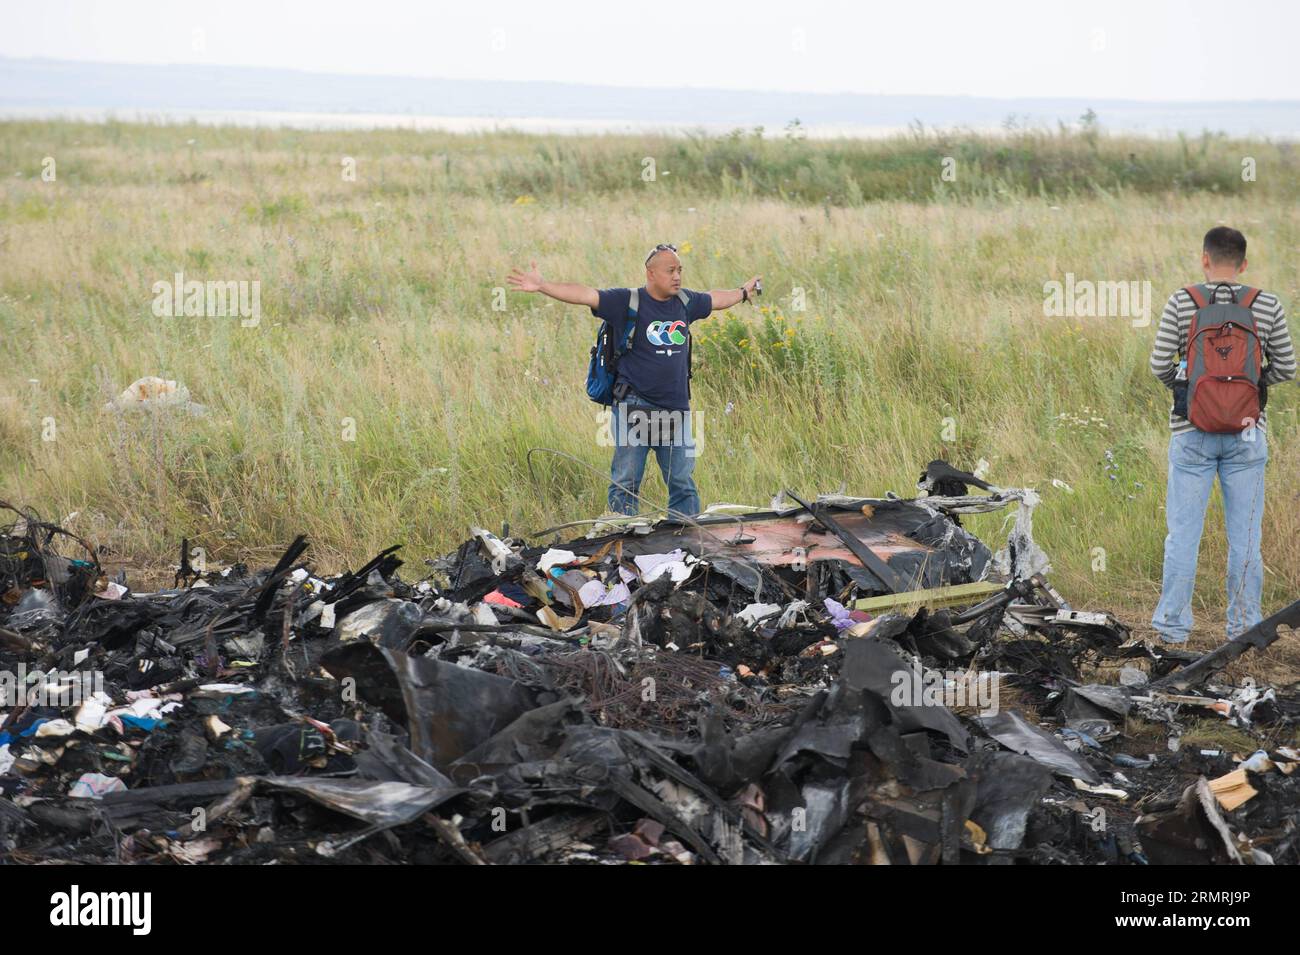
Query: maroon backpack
{"x": 1223, "y": 361}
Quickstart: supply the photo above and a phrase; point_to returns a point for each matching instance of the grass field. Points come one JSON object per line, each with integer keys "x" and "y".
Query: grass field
{"x": 923, "y": 332}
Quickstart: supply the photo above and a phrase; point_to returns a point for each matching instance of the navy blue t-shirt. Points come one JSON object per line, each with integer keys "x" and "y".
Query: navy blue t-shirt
{"x": 655, "y": 363}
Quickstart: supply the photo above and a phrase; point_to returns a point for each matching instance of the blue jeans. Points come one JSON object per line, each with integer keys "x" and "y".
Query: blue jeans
{"x": 1194, "y": 459}
{"x": 668, "y": 433}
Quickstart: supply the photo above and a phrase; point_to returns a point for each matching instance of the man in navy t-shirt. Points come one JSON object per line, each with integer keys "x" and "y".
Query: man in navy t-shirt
{"x": 652, "y": 387}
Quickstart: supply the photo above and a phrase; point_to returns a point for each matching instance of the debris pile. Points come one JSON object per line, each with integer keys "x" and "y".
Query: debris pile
{"x": 834, "y": 680}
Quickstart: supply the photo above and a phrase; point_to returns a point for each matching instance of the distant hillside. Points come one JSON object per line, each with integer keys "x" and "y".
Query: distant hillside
{"x": 55, "y": 86}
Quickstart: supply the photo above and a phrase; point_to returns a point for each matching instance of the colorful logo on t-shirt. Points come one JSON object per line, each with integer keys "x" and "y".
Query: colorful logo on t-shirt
{"x": 666, "y": 333}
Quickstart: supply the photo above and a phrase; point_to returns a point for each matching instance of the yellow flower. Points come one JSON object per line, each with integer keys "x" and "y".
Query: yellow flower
{"x": 524, "y": 200}
{"x": 684, "y": 248}
{"x": 790, "y": 332}
{"x": 744, "y": 343}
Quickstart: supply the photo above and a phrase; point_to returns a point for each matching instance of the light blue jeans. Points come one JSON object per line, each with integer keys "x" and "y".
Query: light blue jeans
{"x": 1195, "y": 457}
{"x": 668, "y": 433}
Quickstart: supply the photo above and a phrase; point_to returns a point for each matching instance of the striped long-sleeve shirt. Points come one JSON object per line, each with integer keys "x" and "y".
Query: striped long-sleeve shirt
{"x": 1171, "y": 342}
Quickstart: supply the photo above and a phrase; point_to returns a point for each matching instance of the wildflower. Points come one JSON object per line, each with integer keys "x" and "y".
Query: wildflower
{"x": 524, "y": 200}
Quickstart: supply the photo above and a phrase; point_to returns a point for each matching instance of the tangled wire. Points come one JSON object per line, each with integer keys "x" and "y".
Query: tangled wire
{"x": 658, "y": 693}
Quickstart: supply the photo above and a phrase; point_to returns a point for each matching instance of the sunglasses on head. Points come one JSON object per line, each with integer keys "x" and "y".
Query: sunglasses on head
{"x": 661, "y": 247}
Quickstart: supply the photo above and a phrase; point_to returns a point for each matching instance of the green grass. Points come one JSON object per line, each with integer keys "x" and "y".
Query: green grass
{"x": 922, "y": 333}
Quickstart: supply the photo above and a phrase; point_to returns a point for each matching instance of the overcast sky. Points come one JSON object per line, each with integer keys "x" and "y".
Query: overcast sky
{"x": 1127, "y": 49}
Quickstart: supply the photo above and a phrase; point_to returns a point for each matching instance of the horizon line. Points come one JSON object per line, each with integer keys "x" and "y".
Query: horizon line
{"x": 1076, "y": 99}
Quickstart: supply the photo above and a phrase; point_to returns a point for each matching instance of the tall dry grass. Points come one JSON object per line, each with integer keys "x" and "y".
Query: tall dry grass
{"x": 923, "y": 333}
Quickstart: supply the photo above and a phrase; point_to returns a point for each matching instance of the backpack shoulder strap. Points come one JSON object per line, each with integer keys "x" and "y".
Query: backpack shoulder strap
{"x": 690, "y": 340}
{"x": 1198, "y": 296}
{"x": 1247, "y": 296}
{"x": 686, "y": 304}
{"x": 629, "y": 324}
{"x": 690, "y": 373}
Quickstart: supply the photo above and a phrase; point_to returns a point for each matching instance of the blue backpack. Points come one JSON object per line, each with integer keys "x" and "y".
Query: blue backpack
{"x": 602, "y": 370}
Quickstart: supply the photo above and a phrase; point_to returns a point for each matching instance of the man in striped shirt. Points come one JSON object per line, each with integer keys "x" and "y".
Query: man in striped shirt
{"x": 1196, "y": 456}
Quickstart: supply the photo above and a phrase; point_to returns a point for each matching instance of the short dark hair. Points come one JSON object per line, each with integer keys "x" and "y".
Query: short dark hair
{"x": 1225, "y": 246}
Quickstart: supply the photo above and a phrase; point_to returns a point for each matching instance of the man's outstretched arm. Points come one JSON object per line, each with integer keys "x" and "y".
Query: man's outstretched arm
{"x": 570, "y": 292}
{"x": 727, "y": 297}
